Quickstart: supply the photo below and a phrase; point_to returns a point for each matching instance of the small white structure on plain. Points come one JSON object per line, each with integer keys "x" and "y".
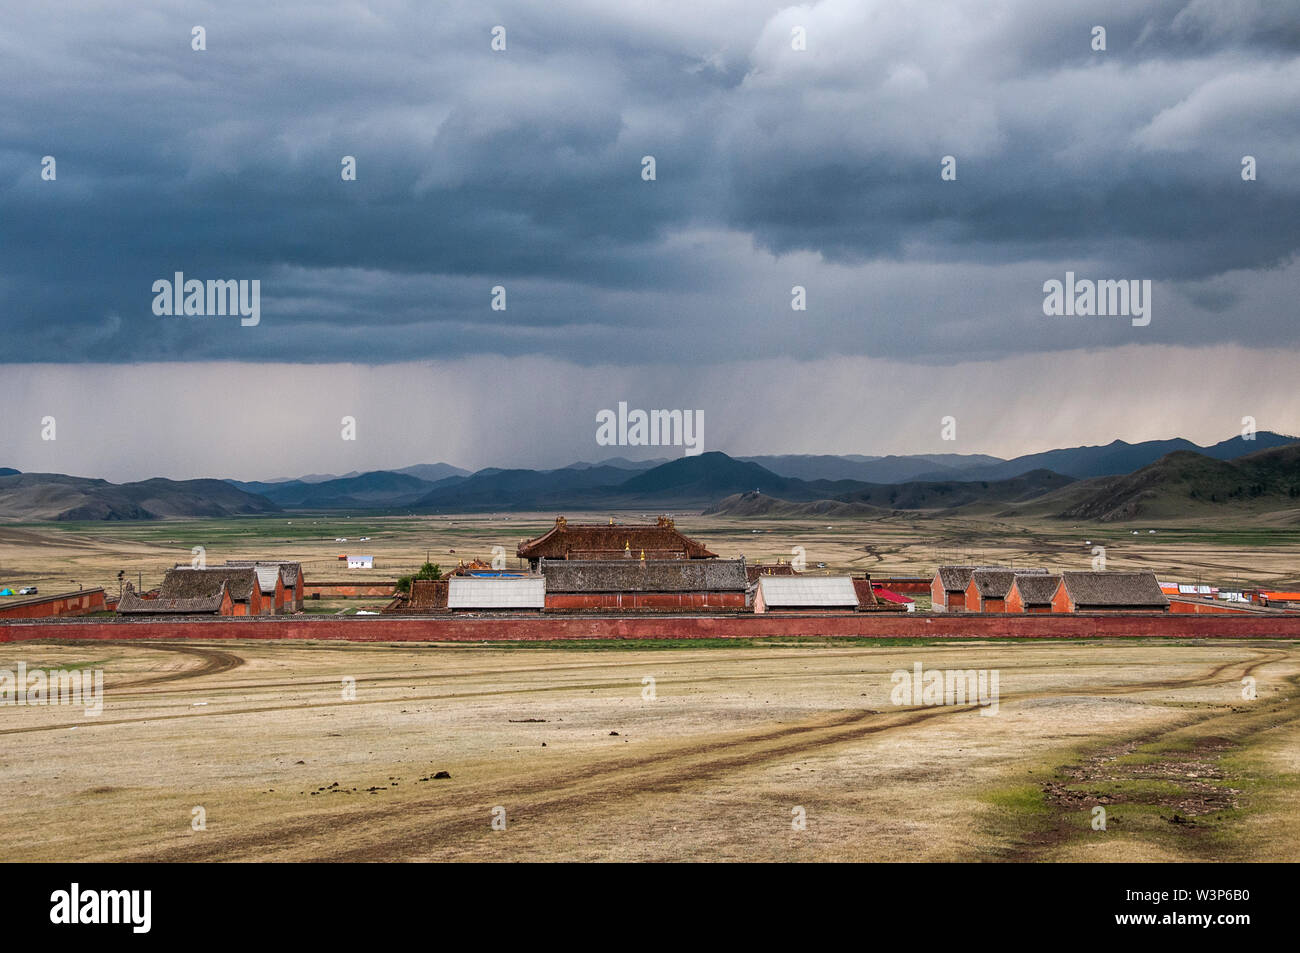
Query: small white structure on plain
{"x": 361, "y": 562}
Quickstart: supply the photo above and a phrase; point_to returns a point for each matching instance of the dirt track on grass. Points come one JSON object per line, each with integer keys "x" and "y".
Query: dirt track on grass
{"x": 584, "y": 766}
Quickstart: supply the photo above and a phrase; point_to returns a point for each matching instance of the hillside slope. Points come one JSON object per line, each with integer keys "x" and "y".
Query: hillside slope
{"x": 57, "y": 496}
{"x": 1185, "y": 482}
{"x": 882, "y": 499}
{"x": 754, "y": 503}
{"x": 1117, "y": 457}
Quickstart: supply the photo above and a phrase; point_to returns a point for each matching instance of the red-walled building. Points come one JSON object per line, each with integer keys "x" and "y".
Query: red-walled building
{"x": 600, "y": 541}
{"x": 1109, "y": 592}
{"x": 644, "y": 584}
{"x": 1031, "y": 592}
{"x": 229, "y": 590}
{"x": 948, "y": 587}
{"x": 988, "y": 588}
{"x": 281, "y": 584}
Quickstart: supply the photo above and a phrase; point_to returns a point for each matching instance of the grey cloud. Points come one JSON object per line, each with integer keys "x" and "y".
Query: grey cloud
{"x": 776, "y": 168}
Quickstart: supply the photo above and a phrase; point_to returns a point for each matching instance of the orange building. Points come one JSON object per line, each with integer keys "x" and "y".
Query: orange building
{"x": 1109, "y": 592}
{"x": 948, "y": 587}
{"x": 1032, "y": 592}
{"x": 988, "y": 588}
{"x": 281, "y": 584}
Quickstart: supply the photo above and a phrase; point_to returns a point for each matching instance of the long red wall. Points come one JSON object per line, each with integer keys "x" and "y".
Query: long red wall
{"x": 1204, "y": 606}
{"x": 68, "y": 603}
{"x": 903, "y": 584}
{"x": 349, "y": 589}
{"x": 767, "y": 625}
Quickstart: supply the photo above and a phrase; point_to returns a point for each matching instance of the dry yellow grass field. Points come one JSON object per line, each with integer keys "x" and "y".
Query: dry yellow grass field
{"x": 717, "y": 765}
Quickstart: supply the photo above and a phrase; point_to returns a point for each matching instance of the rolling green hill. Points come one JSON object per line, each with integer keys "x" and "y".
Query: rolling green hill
{"x": 1185, "y": 482}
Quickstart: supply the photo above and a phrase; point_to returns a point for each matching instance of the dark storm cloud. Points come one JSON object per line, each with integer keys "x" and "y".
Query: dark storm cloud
{"x": 776, "y": 167}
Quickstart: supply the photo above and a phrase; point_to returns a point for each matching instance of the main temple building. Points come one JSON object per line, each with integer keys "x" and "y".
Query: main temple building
{"x": 588, "y": 541}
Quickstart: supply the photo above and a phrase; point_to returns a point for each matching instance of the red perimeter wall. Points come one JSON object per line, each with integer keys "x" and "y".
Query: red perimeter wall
{"x": 74, "y": 603}
{"x": 767, "y": 625}
{"x": 350, "y": 589}
{"x": 1202, "y": 606}
{"x": 903, "y": 584}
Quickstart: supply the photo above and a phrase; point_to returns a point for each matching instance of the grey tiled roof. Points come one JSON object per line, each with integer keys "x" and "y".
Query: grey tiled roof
{"x": 1036, "y": 588}
{"x": 650, "y": 575}
{"x": 1113, "y": 589}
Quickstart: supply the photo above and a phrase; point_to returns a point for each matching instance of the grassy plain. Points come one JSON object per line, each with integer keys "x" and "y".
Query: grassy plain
{"x": 737, "y": 743}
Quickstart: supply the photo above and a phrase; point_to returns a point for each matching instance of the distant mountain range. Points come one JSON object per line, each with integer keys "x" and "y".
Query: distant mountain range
{"x": 377, "y": 488}
{"x": 1179, "y": 484}
{"x": 886, "y": 498}
{"x": 891, "y": 469}
{"x": 1115, "y": 458}
{"x": 54, "y": 496}
{"x": 1116, "y": 481}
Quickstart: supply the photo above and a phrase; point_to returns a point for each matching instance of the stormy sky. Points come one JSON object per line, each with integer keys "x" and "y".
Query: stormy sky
{"x": 522, "y": 168}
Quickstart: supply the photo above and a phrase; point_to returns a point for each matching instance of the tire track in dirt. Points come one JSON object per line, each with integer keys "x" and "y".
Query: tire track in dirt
{"x": 215, "y": 661}
{"x": 547, "y": 689}
{"x": 416, "y": 827}
{"x": 465, "y": 674}
{"x": 669, "y": 771}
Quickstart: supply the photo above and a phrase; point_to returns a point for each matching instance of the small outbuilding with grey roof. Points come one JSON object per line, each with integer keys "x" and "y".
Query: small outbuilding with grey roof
{"x": 270, "y": 581}
{"x": 1109, "y": 592}
{"x": 1031, "y": 592}
{"x": 948, "y": 587}
{"x": 286, "y": 593}
{"x": 805, "y": 594}
{"x": 988, "y": 588}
